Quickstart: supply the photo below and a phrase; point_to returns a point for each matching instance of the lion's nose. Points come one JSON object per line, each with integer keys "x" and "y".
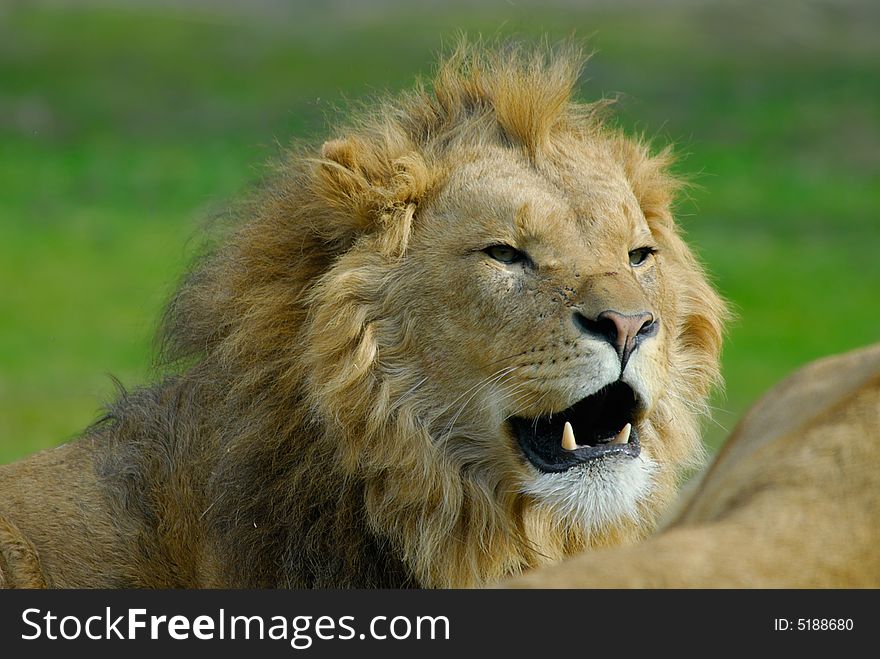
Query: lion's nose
{"x": 623, "y": 331}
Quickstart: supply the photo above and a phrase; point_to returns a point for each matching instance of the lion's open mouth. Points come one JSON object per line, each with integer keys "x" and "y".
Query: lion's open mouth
{"x": 599, "y": 425}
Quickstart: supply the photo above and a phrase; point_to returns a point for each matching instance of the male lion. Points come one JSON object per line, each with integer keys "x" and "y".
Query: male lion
{"x": 462, "y": 340}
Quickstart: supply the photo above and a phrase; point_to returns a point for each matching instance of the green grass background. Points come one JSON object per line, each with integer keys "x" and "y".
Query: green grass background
{"x": 124, "y": 125}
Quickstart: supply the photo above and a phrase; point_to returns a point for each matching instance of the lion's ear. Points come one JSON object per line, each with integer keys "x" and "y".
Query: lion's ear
{"x": 344, "y": 184}
{"x": 376, "y": 186}
{"x": 653, "y": 184}
{"x": 339, "y": 151}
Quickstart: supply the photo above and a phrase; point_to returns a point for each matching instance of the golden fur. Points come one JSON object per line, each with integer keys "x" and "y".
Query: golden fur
{"x": 791, "y": 501}
{"x": 348, "y": 357}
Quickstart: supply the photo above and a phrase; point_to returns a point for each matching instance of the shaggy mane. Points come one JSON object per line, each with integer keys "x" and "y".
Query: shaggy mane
{"x": 326, "y": 456}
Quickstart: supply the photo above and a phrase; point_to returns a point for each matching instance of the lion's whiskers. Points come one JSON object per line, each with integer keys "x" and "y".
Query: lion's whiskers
{"x": 700, "y": 409}
{"x": 411, "y": 392}
{"x": 492, "y": 379}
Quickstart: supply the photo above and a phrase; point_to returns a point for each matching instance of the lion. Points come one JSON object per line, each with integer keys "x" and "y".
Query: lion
{"x": 791, "y": 501}
{"x": 460, "y": 340}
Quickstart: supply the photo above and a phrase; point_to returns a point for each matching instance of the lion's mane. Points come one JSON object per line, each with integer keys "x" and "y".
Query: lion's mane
{"x": 297, "y": 429}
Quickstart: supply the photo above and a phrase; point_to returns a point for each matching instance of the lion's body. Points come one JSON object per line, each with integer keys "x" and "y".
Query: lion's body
{"x": 792, "y": 500}
{"x": 350, "y": 362}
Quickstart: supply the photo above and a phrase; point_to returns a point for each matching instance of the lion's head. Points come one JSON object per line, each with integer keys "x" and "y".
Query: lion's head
{"x": 426, "y": 304}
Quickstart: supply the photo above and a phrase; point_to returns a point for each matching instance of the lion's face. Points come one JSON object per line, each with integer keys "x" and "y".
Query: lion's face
{"x": 538, "y": 299}
{"x": 511, "y": 345}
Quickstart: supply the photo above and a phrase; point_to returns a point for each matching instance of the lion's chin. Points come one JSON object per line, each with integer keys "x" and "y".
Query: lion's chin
{"x": 599, "y": 495}
{"x": 601, "y": 426}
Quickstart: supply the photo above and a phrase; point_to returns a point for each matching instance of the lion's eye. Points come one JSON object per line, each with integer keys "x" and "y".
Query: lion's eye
{"x": 638, "y": 256}
{"x": 505, "y": 254}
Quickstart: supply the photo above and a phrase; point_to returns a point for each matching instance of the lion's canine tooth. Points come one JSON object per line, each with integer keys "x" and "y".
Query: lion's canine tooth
{"x": 568, "y": 442}
{"x": 623, "y": 435}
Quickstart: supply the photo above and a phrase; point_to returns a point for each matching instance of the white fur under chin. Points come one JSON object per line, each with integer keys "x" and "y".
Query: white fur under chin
{"x": 597, "y": 494}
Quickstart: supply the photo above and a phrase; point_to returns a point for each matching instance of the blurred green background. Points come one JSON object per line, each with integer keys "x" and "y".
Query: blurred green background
{"x": 123, "y": 125}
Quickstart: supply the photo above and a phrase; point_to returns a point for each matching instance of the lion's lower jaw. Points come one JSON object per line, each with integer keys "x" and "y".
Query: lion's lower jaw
{"x": 598, "y": 498}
